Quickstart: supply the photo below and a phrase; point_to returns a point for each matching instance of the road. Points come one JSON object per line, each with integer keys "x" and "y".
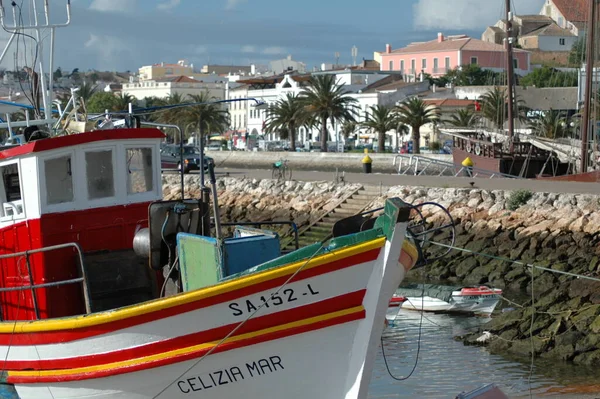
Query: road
{"x": 389, "y": 180}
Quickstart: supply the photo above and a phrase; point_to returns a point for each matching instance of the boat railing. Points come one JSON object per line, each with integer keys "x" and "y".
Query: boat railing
{"x": 33, "y": 287}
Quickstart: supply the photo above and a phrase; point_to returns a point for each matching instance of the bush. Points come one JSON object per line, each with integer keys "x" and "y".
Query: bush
{"x": 518, "y": 198}
{"x": 435, "y": 146}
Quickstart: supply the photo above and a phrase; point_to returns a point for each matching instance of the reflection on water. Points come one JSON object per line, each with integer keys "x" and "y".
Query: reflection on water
{"x": 447, "y": 367}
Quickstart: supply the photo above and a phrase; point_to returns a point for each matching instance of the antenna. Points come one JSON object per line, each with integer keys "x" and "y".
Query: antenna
{"x": 354, "y": 55}
{"x": 337, "y": 57}
{"x": 37, "y": 26}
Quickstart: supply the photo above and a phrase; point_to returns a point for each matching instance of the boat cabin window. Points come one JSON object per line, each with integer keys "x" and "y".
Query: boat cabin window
{"x": 140, "y": 173}
{"x": 100, "y": 174}
{"x": 59, "y": 180}
{"x": 10, "y": 193}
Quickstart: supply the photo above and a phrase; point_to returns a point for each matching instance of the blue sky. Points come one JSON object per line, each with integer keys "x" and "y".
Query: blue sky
{"x": 125, "y": 34}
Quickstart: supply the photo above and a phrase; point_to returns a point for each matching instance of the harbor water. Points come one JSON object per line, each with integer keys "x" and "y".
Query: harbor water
{"x": 446, "y": 367}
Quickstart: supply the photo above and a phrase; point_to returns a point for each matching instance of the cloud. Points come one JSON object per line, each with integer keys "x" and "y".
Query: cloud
{"x": 273, "y": 50}
{"x": 113, "y": 5}
{"x": 248, "y": 49}
{"x": 167, "y": 5}
{"x": 465, "y": 14}
{"x": 231, "y": 4}
{"x": 108, "y": 49}
{"x": 199, "y": 50}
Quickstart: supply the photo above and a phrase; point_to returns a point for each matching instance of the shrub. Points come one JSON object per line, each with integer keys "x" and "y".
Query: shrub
{"x": 435, "y": 146}
{"x": 518, "y": 198}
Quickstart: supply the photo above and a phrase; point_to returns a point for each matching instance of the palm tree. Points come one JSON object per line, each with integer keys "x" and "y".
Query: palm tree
{"x": 204, "y": 116}
{"x": 415, "y": 113}
{"x": 380, "y": 120}
{"x": 123, "y": 102}
{"x": 464, "y": 117}
{"x": 494, "y": 106}
{"x": 551, "y": 125}
{"x": 171, "y": 116}
{"x": 86, "y": 90}
{"x": 349, "y": 128}
{"x": 286, "y": 115}
{"x": 326, "y": 100}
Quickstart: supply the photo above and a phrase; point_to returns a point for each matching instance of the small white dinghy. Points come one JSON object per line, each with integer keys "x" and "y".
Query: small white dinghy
{"x": 480, "y": 300}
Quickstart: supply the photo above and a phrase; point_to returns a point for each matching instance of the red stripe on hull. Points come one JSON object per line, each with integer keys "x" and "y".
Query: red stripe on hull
{"x": 51, "y": 337}
{"x": 330, "y": 305}
{"x": 189, "y": 356}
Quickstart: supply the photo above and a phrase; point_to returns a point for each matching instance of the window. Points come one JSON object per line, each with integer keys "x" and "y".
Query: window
{"x": 561, "y": 41}
{"x": 392, "y": 65}
{"x": 435, "y": 65}
{"x": 424, "y": 63}
{"x": 402, "y": 66}
{"x": 413, "y": 66}
{"x": 140, "y": 176}
{"x": 59, "y": 180}
{"x": 10, "y": 192}
{"x": 447, "y": 64}
{"x": 515, "y": 63}
{"x": 99, "y": 173}
{"x": 473, "y": 60}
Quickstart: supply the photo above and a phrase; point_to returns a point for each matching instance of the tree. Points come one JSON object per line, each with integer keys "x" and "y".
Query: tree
{"x": 326, "y": 100}
{"x": 57, "y": 74}
{"x": 123, "y": 102}
{"x": 494, "y": 107}
{"x": 549, "y": 77}
{"x": 470, "y": 75}
{"x": 380, "y": 120}
{"x": 552, "y": 124}
{"x": 286, "y": 114}
{"x": 415, "y": 113}
{"x": 204, "y": 116}
{"x": 349, "y": 128}
{"x": 75, "y": 75}
{"x": 577, "y": 54}
{"x": 86, "y": 90}
{"x": 170, "y": 116}
{"x": 465, "y": 117}
{"x": 101, "y": 101}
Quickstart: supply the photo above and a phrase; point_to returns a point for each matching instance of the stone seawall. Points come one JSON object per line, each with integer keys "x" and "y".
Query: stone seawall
{"x": 314, "y": 161}
{"x": 560, "y": 232}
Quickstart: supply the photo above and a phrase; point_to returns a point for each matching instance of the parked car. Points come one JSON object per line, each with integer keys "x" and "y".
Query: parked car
{"x": 170, "y": 158}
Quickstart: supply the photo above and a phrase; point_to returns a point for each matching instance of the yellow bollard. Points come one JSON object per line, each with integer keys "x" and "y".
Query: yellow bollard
{"x": 367, "y": 162}
{"x": 468, "y": 164}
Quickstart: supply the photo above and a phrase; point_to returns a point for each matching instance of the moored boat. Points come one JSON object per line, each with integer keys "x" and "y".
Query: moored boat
{"x": 453, "y": 299}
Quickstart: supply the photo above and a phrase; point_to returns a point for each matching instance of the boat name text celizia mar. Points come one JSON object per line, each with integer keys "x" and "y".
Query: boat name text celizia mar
{"x": 230, "y": 375}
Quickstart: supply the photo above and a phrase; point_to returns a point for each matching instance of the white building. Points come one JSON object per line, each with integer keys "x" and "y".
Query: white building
{"x": 165, "y": 87}
{"x": 287, "y": 64}
{"x": 368, "y": 87}
{"x": 238, "y": 110}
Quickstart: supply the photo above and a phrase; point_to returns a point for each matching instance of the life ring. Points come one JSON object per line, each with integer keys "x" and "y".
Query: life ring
{"x": 477, "y": 149}
{"x": 468, "y": 146}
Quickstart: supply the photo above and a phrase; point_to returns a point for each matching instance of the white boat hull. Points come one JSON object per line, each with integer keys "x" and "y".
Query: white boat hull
{"x": 481, "y": 306}
{"x": 321, "y": 344}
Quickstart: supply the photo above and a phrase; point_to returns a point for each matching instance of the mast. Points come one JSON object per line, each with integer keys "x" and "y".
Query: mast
{"x": 589, "y": 68}
{"x": 510, "y": 76}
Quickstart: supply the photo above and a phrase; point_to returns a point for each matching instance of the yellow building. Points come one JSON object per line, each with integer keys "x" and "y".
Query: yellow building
{"x": 162, "y": 70}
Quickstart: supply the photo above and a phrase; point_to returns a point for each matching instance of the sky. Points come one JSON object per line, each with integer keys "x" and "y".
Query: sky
{"x": 120, "y": 35}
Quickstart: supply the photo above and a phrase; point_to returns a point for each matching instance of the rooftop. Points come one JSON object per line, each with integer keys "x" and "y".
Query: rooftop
{"x": 550, "y": 30}
{"x": 573, "y": 10}
{"x": 451, "y": 43}
{"x": 449, "y": 102}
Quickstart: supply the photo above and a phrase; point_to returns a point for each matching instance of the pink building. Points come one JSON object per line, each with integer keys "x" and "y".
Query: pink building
{"x": 438, "y": 56}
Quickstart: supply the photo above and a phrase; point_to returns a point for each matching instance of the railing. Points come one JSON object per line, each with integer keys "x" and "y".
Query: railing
{"x": 32, "y": 287}
{"x": 435, "y": 167}
{"x": 260, "y": 224}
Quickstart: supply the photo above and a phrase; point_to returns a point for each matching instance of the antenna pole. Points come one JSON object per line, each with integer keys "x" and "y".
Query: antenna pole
{"x": 589, "y": 68}
{"x": 510, "y": 77}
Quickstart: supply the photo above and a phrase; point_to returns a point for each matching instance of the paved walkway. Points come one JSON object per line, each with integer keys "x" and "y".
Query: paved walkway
{"x": 428, "y": 181}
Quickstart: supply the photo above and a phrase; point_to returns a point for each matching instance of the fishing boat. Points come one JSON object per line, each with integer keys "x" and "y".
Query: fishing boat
{"x": 509, "y": 154}
{"x": 480, "y": 300}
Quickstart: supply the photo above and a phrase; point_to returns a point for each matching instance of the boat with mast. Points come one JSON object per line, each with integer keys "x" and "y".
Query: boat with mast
{"x": 524, "y": 155}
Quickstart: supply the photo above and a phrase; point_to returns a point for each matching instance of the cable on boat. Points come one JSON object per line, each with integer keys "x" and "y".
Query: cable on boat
{"x": 529, "y": 265}
{"x": 242, "y": 323}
